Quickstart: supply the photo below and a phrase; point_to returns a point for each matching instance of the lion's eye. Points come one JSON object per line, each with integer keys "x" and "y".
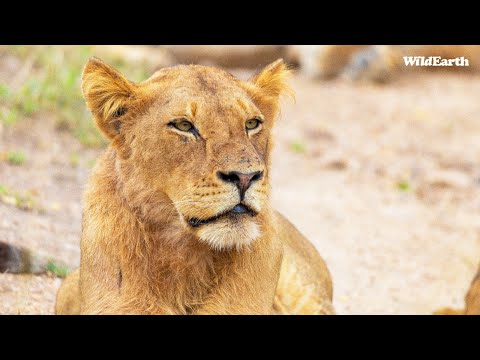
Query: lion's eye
{"x": 252, "y": 124}
{"x": 183, "y": 125}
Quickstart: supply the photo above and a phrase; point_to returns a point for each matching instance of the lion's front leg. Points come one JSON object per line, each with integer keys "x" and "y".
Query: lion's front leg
{"x": 68, "y": 296}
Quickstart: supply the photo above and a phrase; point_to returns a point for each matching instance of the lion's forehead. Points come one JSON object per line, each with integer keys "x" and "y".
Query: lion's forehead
{"x": 201, "y": 90}
{"x": 196, "y": 77}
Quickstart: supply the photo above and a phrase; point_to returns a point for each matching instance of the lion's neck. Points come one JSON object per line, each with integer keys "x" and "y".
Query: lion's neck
{"x": 176, "y": 268}
{"x": 157, "y": 259}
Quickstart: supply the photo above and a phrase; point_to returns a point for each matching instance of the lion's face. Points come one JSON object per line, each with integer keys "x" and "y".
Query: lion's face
{"x": 205, "y": 144}
{"x": 195, "y": 143}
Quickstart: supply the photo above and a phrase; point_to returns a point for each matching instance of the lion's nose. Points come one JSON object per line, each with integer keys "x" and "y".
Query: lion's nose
{"x": 241, "y": 180}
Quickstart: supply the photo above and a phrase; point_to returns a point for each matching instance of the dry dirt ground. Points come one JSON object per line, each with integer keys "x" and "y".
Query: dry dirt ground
{"x": 384, "y": 180}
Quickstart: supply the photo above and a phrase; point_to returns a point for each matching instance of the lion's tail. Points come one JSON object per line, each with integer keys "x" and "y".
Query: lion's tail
{"x": 20, "y": 260}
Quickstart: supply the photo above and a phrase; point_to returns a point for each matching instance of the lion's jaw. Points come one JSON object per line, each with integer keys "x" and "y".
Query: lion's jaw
{"x": 224, "y": 221}
{"x": 226, "y": 234}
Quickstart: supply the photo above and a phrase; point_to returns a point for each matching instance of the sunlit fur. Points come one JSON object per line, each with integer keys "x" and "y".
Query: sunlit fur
{"x": 140, "y": 252}
{"x": 472, "y": 301}
{"x": 225, "y": 234}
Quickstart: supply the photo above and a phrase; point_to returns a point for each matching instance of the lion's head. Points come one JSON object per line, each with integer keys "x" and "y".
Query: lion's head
{"x": 193, "y": 141}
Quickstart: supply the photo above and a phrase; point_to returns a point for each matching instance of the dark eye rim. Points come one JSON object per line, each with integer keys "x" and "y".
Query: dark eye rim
{"x": 174, "y": 124}
{"x": 259, "y": 122}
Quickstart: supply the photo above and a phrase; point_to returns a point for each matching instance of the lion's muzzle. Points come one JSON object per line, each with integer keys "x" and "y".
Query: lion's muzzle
{"x": 236, "y": 213}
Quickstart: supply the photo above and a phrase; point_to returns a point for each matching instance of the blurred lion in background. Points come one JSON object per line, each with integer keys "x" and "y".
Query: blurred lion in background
{"x": 376, "y": 63}
{"x": 371, "y": 63}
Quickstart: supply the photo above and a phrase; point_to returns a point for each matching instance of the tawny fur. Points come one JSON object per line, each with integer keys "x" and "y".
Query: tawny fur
{"x": 139, "y": 255}
{"x": 472, "y": 301}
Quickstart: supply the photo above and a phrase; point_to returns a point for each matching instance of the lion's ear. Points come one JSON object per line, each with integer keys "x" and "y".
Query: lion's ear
{"x": 109, "y": 95}
{"x": 270, "y": 84}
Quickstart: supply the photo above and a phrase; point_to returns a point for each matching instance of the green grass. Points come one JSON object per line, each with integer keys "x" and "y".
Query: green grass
{"x": 403, "y": 185}
{"x": 3, "y": 190}
{"x": 298, "y": 147}
{"x": 16, "y": 158}
{"x": 22, "y": 200}
{"x": 74, "y": 159}
{"x": 4, "y": 91}
{"x": 25, "y": 201}
{"x": 8, "y": 116}
{"x": 52, "y": 85}
{"x": 58, "y": 270}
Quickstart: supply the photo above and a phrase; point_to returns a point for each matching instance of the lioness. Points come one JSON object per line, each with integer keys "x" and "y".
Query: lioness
{"x": 176, "y": 215}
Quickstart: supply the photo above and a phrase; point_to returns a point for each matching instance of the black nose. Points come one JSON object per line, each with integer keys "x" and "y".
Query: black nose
{"x": 242, "y": 181}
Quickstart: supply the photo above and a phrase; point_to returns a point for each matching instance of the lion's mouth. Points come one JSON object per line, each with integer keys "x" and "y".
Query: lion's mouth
{"x": 236, "y": 212}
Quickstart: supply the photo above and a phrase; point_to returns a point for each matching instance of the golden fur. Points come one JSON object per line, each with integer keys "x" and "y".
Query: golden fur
{"x": 141, "y": 249}
{"x": 472, "y": 300}
{"x": 379, "y": 63}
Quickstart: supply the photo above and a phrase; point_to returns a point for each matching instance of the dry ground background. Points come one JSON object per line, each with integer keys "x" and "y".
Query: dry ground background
{"x": 383, "y": 179}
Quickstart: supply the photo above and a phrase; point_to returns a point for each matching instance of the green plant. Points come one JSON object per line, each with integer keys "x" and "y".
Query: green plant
{"x": 53, "y": 86}
{"x": 25, "y": 201}
{"x": 3, "y": 190}
{"x": 403, "y": 185}
{"x": 16, "y": 158}
{"x": 8, "y": 116}
{"x": 74, "y": 159}
{"x": 297, "y": 147}
{"x": 58, "y": 270}
{"x": 4, "y": 91}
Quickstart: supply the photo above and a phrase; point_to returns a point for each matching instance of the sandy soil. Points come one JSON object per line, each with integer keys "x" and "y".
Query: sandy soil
{"x": 392, "y": 249}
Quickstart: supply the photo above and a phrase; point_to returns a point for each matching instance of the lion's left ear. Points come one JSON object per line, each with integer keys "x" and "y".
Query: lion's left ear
{"x": 266, "y": 87}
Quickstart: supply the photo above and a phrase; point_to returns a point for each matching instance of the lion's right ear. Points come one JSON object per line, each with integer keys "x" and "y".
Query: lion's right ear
{"x": 109, "y": 95}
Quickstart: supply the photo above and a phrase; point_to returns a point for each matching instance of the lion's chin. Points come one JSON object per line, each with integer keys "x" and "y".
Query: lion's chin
{"x": 228, "y": 233}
